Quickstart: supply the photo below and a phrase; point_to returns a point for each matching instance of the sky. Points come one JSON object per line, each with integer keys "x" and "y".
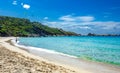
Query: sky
{"x": 80, "y": 16}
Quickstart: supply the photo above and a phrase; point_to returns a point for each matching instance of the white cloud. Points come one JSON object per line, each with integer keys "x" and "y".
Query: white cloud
{"x": 84, "y": 27}
{"x": 26, "y": 6}
{"x": 67, "y": 18}
{"x": 77, "y": 18}
{"x": 14, "y": 3}
{"x": 45, "y": 18}
{"x": 81, "y": 24}
{"x": 103, "y": 25}
{"x": 86, "y": 18}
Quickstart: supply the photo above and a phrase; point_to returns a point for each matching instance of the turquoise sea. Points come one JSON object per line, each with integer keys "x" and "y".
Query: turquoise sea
{"x": 102, "y": 49}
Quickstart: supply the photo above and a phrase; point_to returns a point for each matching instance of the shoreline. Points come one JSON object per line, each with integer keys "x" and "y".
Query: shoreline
{"x": 58, "y": 53}
{"x": 13, "y": 49}
{"x": 63, "y": 54}
{"x": 35, "y": 51}
{"x": 80, "y": 66}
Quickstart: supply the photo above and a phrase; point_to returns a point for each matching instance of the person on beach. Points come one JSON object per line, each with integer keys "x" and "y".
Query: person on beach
{"x": 16, "y": 39}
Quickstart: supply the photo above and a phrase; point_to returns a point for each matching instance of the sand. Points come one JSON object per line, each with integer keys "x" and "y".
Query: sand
{"x": 17, "y": 60}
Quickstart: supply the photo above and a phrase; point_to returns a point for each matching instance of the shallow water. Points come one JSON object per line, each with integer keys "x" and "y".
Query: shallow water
{"x": 102, "y": 49}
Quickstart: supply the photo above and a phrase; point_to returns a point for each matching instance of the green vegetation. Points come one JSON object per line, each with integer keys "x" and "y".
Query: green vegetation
{"x": 11, "y": 26}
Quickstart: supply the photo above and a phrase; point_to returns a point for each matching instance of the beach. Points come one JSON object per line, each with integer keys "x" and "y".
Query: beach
{"x": 15, "y": 59}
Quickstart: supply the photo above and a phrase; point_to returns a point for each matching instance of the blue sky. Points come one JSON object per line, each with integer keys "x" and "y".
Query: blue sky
{"x": 81, "y": 16}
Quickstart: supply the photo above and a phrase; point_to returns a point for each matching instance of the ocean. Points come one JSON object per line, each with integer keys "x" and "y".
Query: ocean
{"x": 104, "y": 49}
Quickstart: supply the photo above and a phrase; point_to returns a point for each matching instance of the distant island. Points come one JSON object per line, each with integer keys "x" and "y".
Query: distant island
{"x": 92, "y": 34}
{"x": 12, "y": 26}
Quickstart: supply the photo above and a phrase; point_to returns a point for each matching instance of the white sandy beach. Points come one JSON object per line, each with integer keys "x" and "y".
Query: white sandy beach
{"x": 53, "y": 63}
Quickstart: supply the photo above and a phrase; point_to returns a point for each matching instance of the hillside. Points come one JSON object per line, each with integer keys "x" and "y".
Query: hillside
{"x": 11, "y": 26}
